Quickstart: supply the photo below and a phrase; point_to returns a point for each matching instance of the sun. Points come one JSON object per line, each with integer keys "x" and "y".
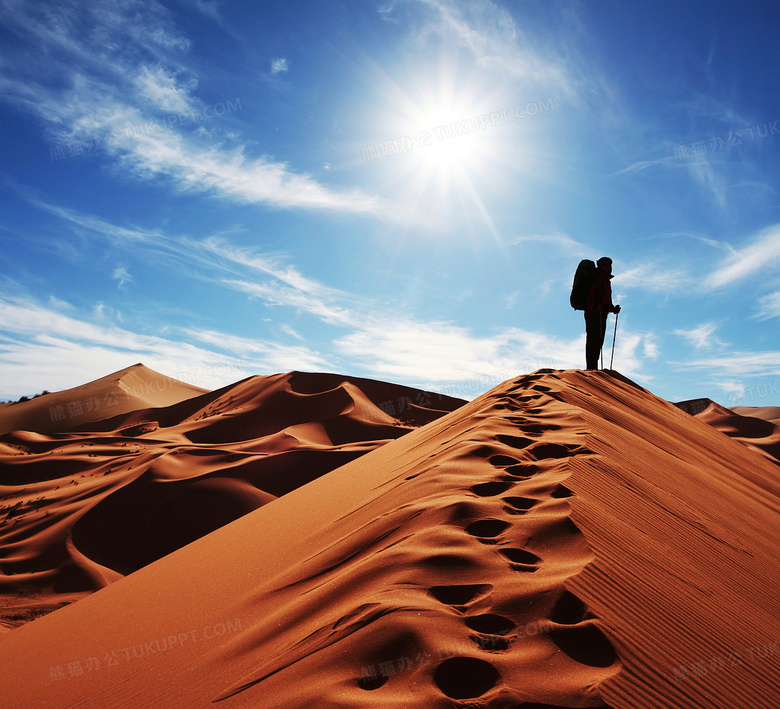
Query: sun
{"x": 448, "y": 135}
{"x": 448, "y": 150}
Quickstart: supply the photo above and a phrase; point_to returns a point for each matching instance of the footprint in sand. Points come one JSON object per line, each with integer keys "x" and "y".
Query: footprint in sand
{"x": 518, "y": 442}
{"x": 460, "y": 595}
{"x": 513, "y": 466}
{"x": 568, "y": 610}
{"x": 528, "y": 397}
{"x": 541, "y": 450}
{"x": 486, "y": 530}
{"x": 519, "y": 505}
{"x": 530, "y": 428}
{"x": 561, "y": 491}
{"x": 373, "y": 682}
{"x": 493, "y": 631}
{"x": 508, "y": 405}
{"x": 521, "y": 471}
{"x": 539, "y": 428}
{"x": 572, "y": 629}
{"x": 521, "y": 559}
{"x": 584, "y": 643}
{"x": 490, "y": 489}
{"x": 465, "y": 677}
{"x": 518, "y": 420}
{"x": 501, "y": 461}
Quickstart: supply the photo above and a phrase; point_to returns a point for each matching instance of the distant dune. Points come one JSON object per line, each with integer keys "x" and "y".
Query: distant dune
{"x": 129, "y": 389}
{"x": 755, "y": 427}
{"x": 565, "y": 540}
{"x": 82, "y": 508}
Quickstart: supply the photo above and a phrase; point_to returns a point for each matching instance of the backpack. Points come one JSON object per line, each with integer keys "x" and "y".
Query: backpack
{"x": 583, "y": 280}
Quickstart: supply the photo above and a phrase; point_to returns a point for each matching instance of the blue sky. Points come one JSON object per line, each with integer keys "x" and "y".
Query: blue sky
{"x": 397, "y": 189}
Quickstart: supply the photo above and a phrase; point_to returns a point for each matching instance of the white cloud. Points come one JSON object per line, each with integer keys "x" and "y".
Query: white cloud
{"x": 496, "y": 41}
{"x": 275, "y": 357}
{"x": 445, "y": 353}
{"x": 696, "y": 237}
{"x": 123, "y": 80}
{"x": 654, "y": 277}
{"x": 701, "y": 336}
{"x": 279, "y": 65}
{"x": 286, "y": 274}
{"x": 163, "y": 91}
{"x": 651, "y": 349}
{"x": 233, "y": 175}
{"x": 120, "y": 274}
{"x": 43, "y": 348}
{"x": 739, "y": 364}
{"x": 769, "y": 306}
{"x": 733, "y": 387}
{"x": 708, "y": 179}
{"x": 644, "y": 164}
{"x": 560, "y": 240}
{"x": 761, "y": 254}
{"x": 274, "y": 294}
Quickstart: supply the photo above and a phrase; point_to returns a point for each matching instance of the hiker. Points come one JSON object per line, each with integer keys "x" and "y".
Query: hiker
{"x": 597, "y": 306}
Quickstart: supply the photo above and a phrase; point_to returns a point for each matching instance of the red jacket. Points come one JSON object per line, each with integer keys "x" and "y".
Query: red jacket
{"x": 600, "y": 294}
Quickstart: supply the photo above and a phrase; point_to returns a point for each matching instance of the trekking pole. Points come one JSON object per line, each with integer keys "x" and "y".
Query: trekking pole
{"x": 614, "y": 337}
{"x": 603, "y": 323}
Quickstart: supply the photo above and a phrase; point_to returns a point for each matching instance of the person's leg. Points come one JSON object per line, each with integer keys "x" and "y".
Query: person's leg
{"x": 593, "y": 340}
{"x": 602, "y": 330}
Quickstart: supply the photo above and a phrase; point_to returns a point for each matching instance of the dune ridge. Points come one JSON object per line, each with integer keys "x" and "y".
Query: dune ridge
{"x": 565, "y": 540}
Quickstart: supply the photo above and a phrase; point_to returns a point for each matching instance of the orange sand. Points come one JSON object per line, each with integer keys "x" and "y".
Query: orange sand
{"x": 82, "y": 508}
{"x": 565, "y": 540}
{"x": 756, "y": 427}
{"x": 129, "y": 389}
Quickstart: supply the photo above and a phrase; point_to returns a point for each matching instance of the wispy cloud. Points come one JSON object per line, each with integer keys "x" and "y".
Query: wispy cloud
{"x": 738, "y": 364}
{"x": 734, "y": 388}
{"x": 110, "y": 69}
{"x": 644, "y": 164}
{"x": 709, "y": 179}
{"x": 656, "y": 277}
{"x": 278, "y": 295}
{"x": 762, "y": 253}
{"x": 702, "y": 336}
{"x": 163, "y": 91}
{"x": 279, "y": 65}
{"x": 496, "y": 41}
{"x": 437, "y": 354}
{"x": 275, "y": 357}
{"x": 561, "y": 241}
{"x": 707, "y": 241}
{"x": 56, "y": 347}
{"x": 120, "y": 274}
{"x": 769, "y": 306}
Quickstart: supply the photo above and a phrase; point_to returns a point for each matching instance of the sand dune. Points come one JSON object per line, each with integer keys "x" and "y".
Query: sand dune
{"x": 757, "y": 428}
{"x": 82, "y": 508}
{"x": 565, "y": 540}
{"x": 129, "y": 389}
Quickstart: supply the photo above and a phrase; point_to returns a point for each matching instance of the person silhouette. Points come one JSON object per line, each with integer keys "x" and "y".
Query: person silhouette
{"x": 597, "y": 307}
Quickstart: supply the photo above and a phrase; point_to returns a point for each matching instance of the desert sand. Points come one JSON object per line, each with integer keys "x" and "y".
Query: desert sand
{"x": 565, "y": 540}
{"x": 83, "y": 507}
{"x": 755, "y": 427}
{"x": 130, "y": 389}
